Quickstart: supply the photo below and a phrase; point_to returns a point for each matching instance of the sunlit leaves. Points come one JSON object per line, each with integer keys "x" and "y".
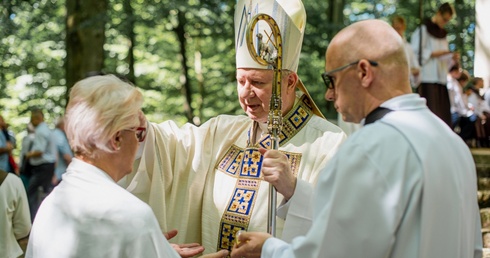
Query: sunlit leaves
{"x": 33, "y": 51}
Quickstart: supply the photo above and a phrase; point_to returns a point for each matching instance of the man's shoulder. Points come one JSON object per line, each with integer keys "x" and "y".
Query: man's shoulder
{"x": 57, "y": 133}
{"x": 43, "y": 129}
{"x": 13, "y": 181}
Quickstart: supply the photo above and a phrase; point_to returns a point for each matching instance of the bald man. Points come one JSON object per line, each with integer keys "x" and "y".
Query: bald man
{"x": 404, "y": 185}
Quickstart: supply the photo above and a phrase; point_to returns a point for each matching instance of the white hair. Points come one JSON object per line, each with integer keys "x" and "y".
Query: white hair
{"x": 98, "y": 108}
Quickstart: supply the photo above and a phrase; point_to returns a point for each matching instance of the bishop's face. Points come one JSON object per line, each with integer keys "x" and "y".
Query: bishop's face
{"x": 255, "y": 90}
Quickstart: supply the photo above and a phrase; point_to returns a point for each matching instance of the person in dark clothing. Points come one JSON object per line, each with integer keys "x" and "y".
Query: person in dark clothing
{"x": 430, "y": 45}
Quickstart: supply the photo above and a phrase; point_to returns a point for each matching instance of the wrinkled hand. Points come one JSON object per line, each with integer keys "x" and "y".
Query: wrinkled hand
{"x": 277, "y": 171}
{"x": 249, "y": 244}
{"x": 185, "y": 250}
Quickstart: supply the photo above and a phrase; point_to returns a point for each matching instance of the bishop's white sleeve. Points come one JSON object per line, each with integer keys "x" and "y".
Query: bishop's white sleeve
{"x": 297, "y": 211}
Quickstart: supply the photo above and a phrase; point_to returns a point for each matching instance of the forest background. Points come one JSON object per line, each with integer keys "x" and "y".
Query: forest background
{"x": 179, "y": 53}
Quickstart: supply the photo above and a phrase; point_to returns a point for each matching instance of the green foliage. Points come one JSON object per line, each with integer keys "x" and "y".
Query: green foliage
{"x": 31, "y": 60}
{"x": 208, "y": 34}
{"x": 32, "y": 51}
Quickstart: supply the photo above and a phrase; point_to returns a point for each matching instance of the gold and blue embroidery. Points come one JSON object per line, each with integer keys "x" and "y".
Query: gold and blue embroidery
{"x": 245, "y": 165}
{"x": 251, "y": 164}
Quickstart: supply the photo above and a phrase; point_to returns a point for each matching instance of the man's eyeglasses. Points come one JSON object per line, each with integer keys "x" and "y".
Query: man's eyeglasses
{"x": 140, "y": 133}
{"x": 327, "y": 76}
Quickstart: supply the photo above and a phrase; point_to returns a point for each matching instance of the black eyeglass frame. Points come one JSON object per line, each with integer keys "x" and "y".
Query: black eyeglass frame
{"x": 328, "y": 80}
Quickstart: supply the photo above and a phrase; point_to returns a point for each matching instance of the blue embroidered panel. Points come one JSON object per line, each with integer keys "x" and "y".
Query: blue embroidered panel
{"x": 241, "y": 202}
{"x": 231, "y": 161}
{"x": 251, "y": 164}
{"x": 245, "y": 165}
{"x": 266, "y": 142}
{"x": 299, "y": 117}
{"x": 227, "y": 236}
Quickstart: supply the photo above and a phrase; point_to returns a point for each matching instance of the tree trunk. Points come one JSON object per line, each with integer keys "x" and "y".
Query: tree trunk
{"x": 184, "y": 78}
{"x": 460, "y": 46}
{"x": 7, "y": 30}
{"x": 335, "y": 14}
{"x": 335, "y": 18}
{"x": 85, "y": 38}
{"x": 129, "y": 30}
{"x": 200, "y": 81}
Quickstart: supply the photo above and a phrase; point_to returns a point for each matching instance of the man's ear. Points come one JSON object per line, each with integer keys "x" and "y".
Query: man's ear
{"x": 365, "y": 73}
{"x": 292, "y": 80}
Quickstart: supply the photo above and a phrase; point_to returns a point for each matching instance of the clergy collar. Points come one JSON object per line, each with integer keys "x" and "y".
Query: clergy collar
{"x": 376, "y": 114}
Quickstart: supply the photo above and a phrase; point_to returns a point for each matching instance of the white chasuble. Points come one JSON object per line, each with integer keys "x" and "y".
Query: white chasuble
{"x": 206, "y": 181}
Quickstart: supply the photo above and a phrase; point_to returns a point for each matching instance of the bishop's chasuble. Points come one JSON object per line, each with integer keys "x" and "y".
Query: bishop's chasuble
{"x": 206, "y": 181}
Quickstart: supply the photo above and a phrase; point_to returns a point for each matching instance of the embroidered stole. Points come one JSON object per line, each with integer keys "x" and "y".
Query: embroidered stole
{"x": 245, "y": 165}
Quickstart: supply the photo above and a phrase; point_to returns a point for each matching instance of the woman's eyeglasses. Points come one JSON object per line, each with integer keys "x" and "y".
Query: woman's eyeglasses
{"x": 140, "y": 133}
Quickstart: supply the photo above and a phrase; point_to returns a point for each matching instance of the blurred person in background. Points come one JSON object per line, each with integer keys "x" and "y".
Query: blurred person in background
{"x": 7, "y": 144}
{"x": 15, "y": 220}
{"x": 26, "y": 145}
{"x": 400, "y": 25}
{"x": 430, "y": 45}
{"x": 64, "y": 153}
{"x": 41, "y": 158}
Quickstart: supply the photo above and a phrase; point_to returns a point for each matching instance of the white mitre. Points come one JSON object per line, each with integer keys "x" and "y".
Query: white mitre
{"x": 290, "y": 16}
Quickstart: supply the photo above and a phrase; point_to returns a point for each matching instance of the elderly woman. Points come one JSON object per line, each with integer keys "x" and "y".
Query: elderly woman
{"x": 88, "y": 214}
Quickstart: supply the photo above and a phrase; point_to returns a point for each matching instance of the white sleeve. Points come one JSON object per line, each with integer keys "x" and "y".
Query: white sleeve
{"x": 415, "y": 42}
{"x": 21, "y": 220}
{"x": 297, "y": 212}
{"x": 341, "y": 199}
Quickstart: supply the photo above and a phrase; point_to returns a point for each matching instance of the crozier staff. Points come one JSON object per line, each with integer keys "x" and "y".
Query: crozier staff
{"x": 211, "y": 181}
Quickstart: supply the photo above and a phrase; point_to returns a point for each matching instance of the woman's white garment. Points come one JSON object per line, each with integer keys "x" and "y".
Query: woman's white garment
{"x": 89, "y": 215}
